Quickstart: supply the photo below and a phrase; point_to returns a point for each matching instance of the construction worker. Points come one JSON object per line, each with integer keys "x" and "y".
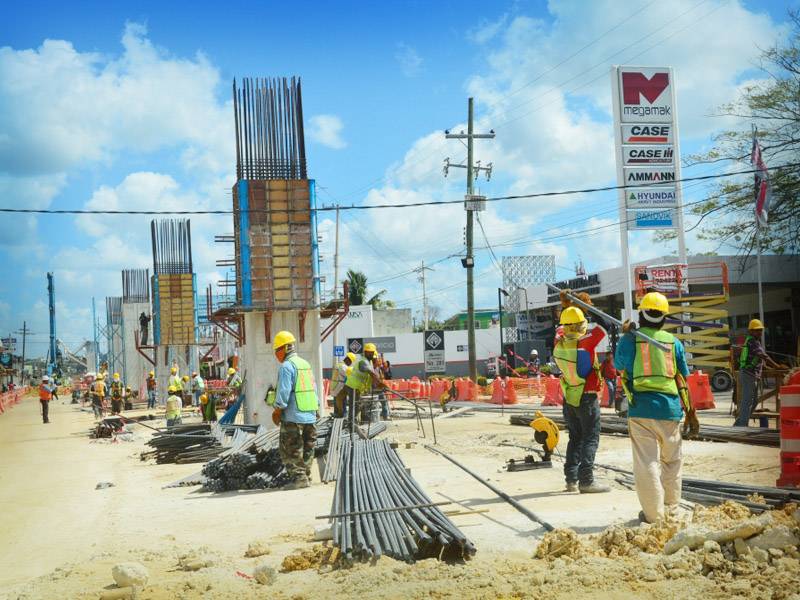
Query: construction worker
{"x": 208, "y": 407}
{"x": 234, "y": 384}
{"x": 128, "y": 403}
{"x": 654, "y": 407}
{"x": 173, "y": 406}
{"x": 534, "y": 365}
{"x": 751, "y": 363}
{"x": 175, "y": 380}
{"x": 338, "y": 378}
{"x": 152, "y": 385}
{"x": 362, "y": 379}
{"x": 574, "y": 351}
{"x": 98, "y": 395}
{"x": 198, "y": 388}
{"x": 296, "y": 399}
{"x": 45, "y": 395}
{"x": 610, "y": 377}
{"x": 186, "y": 390}
{"x": 117, "y": 391}
{"x": 377, "y": 365}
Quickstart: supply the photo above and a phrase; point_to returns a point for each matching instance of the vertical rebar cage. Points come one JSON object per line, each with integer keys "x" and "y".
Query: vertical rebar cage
{"x": 174, "y": 285}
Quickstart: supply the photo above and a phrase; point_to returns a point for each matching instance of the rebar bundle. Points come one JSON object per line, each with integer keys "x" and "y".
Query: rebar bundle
{"x": 379, "y": 509}
{"x": 334, "y": 443}
{"x": 195, "y": 443}
{"x": 268, "y": 115}
{"x": 172, "y": 246}
{"x": 757, "y": 436}
{"x": 113, "y": 310}
{"x": 135, "y": 285}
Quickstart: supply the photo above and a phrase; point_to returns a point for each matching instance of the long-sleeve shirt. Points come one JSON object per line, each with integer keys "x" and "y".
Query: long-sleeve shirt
{"x": 649, "y": 405}
{"x": 756, "y": 356}
{"x": 341, "y": 369}
{"x": 285, "y": 397}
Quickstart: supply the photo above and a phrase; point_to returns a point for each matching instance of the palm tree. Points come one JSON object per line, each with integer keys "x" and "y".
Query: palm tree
{"x": 357, "y": 287}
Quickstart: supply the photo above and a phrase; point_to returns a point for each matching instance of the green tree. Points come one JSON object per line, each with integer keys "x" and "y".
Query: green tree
{"x": 357, "y": 292}
{"x": 773, "y": 105}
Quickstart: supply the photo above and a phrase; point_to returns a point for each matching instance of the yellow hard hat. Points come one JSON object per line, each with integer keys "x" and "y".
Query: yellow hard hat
{"x": 655, "y": 301}
{"x": 231, "y": 371}
{"x": 186, "y": 378}
{"x": 755, "y": 324}
{"x": 152, "y": 373}
{"x": 116, "y": 375}
{"x": 99, "y": 377}
{"x": 351, "y": 356}
{"x": 370, "y": 347}
{"x": 282, "y": 338}
{"x": 203, "y": 399}
{"x": 571, "y": 315}
{"x": 172, "y": 389}
{"x": 173, "y": 370}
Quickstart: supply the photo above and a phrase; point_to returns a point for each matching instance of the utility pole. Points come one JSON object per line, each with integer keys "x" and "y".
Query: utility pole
{"x": 336, "y": 284}
{"x": 469, "y": 261}
{"x": 25, "y": 331}
{"x": 421, "y": 270}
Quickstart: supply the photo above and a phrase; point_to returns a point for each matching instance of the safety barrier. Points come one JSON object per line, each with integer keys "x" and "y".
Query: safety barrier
{"x": 9, "y": 399}
{"x": 790, "y": 436}
{"x": 700, "y": 391}
{"x": 553, "y": 395}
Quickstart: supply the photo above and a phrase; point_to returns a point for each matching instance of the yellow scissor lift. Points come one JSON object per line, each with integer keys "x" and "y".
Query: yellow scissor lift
{"x": 697, "y": 294}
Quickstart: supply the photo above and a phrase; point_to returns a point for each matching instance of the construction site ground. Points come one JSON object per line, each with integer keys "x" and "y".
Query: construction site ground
{"x": 62, "y": 536}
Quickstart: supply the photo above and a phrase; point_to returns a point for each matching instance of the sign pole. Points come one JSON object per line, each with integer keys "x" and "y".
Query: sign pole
{"x": 677, "y": 162}
{"x": 623, "y": 213}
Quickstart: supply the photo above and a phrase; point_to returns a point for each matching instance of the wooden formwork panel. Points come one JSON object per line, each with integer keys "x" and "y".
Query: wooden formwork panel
{"x": 176, "y": 308}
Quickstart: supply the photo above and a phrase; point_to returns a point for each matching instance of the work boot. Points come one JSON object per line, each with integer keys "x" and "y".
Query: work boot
{"x": 297, "y": 484}
{"x": 572, "y": 486}
{"x": 642, "y": 518}
{"x": 593, "y": 488}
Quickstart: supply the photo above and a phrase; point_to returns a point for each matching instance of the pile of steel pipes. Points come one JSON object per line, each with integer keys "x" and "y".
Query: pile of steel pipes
{"x": 195, "y": 443}
{"x": 379, "y": 509}
{"x": 332, "y": 458}
{"x": 758, "y": 436}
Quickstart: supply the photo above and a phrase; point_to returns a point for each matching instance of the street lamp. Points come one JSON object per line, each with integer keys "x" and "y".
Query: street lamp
{"x": 500, "y": 310}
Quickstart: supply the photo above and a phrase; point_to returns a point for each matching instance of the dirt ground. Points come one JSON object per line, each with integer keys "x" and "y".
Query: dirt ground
{"x": 61, "y": 536}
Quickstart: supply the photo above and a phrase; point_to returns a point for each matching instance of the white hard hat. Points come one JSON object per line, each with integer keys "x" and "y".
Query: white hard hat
{"x": 45, "y": 378}
{"x": 534, "y": 351}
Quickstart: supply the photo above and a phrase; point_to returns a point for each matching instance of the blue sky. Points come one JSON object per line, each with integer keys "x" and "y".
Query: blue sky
{"x": 130, "y": 107}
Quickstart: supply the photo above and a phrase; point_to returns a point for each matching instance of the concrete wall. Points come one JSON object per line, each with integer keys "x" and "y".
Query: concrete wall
{"x": 135, "y": 367}
{"x": 392, "y": 321}
{"x": 259, "y": 365}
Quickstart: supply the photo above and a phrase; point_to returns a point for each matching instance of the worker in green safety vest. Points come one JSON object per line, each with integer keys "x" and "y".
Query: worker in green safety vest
{"x": 363, "y": 378}
{"x": 296, "y": 399}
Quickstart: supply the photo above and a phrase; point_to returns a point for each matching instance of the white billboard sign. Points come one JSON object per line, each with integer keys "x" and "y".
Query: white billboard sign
{"x": 647, "y": 133}
{"x": 646, "y": 155}
{"x": 651, "y": 198}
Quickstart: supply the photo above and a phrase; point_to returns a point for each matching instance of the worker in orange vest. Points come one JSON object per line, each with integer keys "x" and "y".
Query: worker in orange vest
{"x": 45, "y": 395}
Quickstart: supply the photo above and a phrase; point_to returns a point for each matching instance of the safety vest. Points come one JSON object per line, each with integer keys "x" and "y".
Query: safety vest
{"x": 151, "y": 383}
{"x": 565, "y": 354}
{"x": 304, "y": 393}
{"x": 116, "y": 389}
{"x": 173, "y": 407}
{"x": 336, "y": 376}
{"x": 360, "y": 381}
{"x": 745, "y": 360}
{"x": 653, "y": 369}
{"x": 100, "y": 388}
{"x": 176, "y": 382}
{"x": 45, "y": 393}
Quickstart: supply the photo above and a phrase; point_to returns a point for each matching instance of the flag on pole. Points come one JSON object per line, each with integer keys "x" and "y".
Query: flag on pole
{"x": 762, "y": 190}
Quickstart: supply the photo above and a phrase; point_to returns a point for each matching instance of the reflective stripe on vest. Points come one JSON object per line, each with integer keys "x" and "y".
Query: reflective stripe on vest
{"x": 304, "y": 393}
{"x": 359, "y": 380}
{"x": 566, "y": 356}
{"x": 653, "y": 369}
{"x": 45, "y": 393}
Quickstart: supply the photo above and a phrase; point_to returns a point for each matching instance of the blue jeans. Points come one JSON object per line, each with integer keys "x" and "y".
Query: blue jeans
{"x": 583, "y": 425}
{"x": 151, "y": 398}
{"x": 197, "y": 394}
{"x": 747, "y": 399}
{"x": 611, "y": 384}
{"x": 386, "y": 410}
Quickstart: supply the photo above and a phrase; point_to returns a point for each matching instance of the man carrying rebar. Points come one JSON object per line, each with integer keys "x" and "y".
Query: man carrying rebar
{"x": 296, "y": 401}
{"x": 338, "y": 378}
{"x": 751, "y": 363}
{"x": 575, "y": 354}
{"x": 653, "y": 380}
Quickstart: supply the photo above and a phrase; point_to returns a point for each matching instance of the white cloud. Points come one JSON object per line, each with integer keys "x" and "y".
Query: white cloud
{"x": 487, "y": 30}
{"x": 327, "y": 131}
{"x": 409, "y": 60}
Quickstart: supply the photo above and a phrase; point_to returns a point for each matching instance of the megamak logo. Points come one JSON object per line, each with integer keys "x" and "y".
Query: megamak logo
{"x": 645, "y": 96}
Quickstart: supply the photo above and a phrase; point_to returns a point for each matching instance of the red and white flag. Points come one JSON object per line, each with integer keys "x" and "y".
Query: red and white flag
{"x": 761, "y": 179}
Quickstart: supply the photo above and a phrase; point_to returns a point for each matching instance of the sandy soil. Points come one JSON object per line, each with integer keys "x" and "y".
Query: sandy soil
{"x": 61, "y": 536}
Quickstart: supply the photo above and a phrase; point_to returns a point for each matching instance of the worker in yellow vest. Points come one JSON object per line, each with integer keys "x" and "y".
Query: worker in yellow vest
{"x": 173, "y": 407}
{"x": 362, "y": 379}
{"x": 338, "y": 389}
{"x": 296, "y": 399}
{"x": 653, "y": 380}
{"x": 98, "y": 396}
{"x": 175, "y": 380}
{"x": 575, "y": 354}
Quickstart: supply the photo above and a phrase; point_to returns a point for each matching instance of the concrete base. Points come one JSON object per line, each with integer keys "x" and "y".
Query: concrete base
{"x": 259, "y": 365}
{"x": 166, "y": 358}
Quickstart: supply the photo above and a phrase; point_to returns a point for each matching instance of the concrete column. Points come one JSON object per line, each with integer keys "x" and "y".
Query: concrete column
{"x": 136, "y": 366}
{"x": 258, "y": 363}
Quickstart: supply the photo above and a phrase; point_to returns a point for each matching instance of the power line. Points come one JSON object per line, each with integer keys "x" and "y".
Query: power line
{"x": 591, "y": 190}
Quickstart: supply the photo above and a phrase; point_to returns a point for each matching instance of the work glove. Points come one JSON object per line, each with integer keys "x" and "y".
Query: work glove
{"x": 629, "y": 325}
{"x": 691, "y": 426}
{"x": 276, "y": 416}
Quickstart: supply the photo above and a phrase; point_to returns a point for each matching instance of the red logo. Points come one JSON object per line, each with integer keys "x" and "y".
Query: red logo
{"x": 635, "y": 85}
